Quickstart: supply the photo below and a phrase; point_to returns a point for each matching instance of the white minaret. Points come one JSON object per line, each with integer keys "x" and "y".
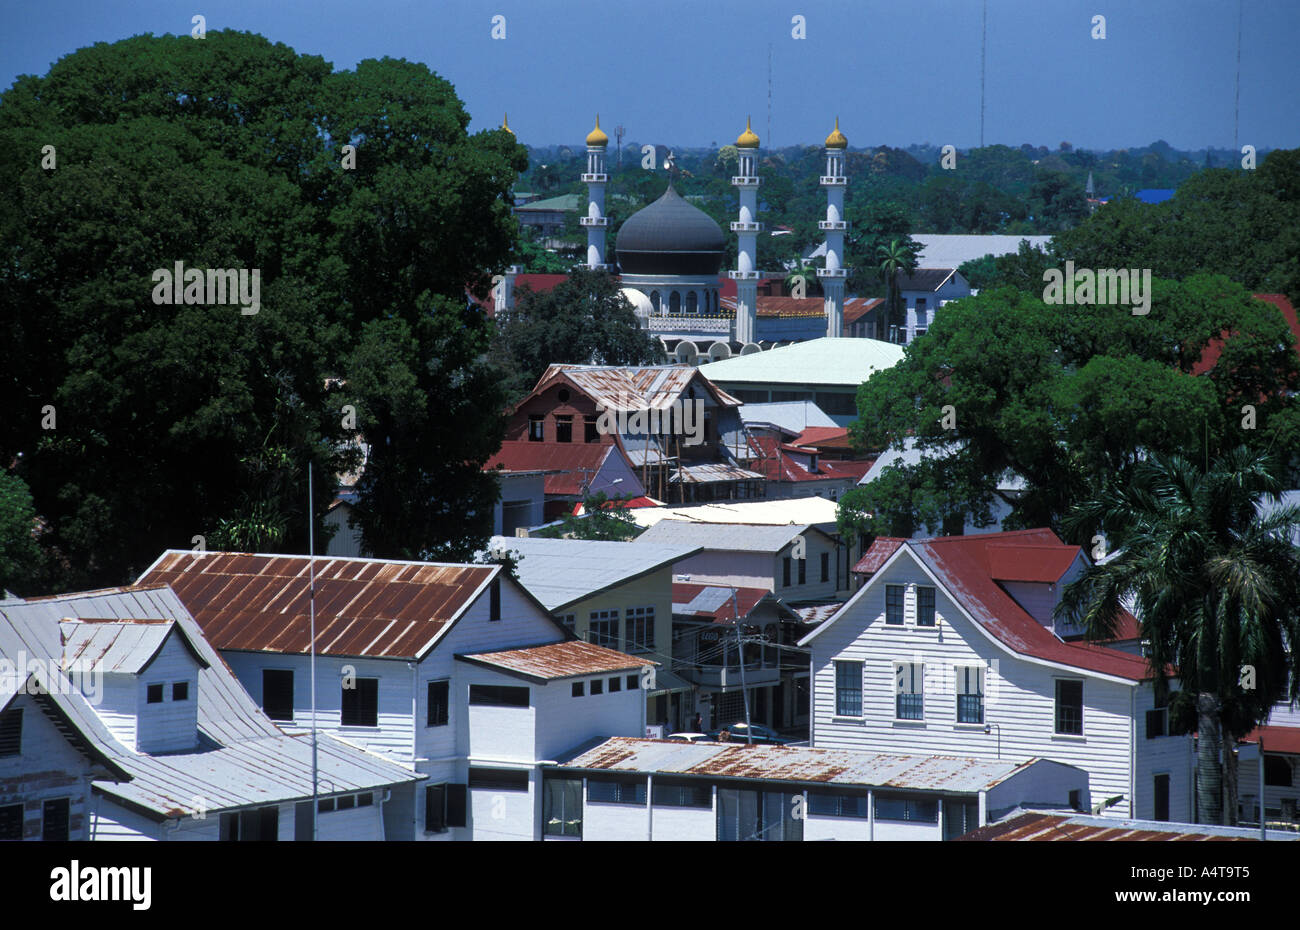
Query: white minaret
{"x": 595, "y": 178}
{"x": 834, "y": 274}
{"x": 747, "y": 229}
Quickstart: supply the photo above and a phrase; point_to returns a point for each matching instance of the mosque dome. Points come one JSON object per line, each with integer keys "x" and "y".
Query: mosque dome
{"x": 597, "y": 136}
{"x": 670, "y": 237}
{"x": 837, "y": 139}
{"x": 748, "y": 139}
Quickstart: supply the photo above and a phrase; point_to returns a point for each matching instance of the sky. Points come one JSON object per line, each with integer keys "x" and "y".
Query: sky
{"x": 688, "y": 72}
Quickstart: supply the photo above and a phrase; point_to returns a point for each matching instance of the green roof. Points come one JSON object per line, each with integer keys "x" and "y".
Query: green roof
{"x": 563, "y": 202}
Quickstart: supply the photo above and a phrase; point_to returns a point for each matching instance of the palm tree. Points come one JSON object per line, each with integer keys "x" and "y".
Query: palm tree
{"x": 895, "y": 257}
{"x": 1214, "y": 577}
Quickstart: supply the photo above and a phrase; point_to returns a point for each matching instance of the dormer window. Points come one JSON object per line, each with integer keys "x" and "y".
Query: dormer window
{"x": 180, "y": 691}
{"x": 154, "y": 694}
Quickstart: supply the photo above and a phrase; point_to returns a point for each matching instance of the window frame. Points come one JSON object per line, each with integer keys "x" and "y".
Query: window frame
{"x": 11, "y": 719}
{"x": 1058, "y": 707}
{"x": 932, "y": 611}
{"x": 901, "y": 595}
{"x": 640, "y": 620}
{"x": 359, "y": 700}
{"x": 444, "y": 703}
{"x": 844, "y": 669}
{"x": 493, "y": 695}
{"x": 278, "y": 671}
{"x": 915, "y": 680}
{"x": 536, "y": 428}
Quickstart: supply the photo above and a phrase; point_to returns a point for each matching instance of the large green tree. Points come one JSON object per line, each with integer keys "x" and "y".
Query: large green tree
{"x": 171, "y": 421}
{"x": 1207, "y": 559}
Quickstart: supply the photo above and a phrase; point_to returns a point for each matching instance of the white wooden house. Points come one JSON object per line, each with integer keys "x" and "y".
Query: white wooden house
{"x": 140, "y": 732}
{"x": 950, "y": 647}
{"x": 455, "y": 671}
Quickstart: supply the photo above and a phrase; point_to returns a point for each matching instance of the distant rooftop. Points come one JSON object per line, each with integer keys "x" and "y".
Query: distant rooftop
{"x": 952, "y": 251}
{"x": 831, "y": 361}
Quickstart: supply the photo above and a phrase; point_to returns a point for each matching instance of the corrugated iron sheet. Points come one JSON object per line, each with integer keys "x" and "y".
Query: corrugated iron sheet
{"x": 712, "y": 472}
{"x": 654, "y": 387}
{"x": 112, "y": 646}
{"x": 1063, "y": 827}
{"x": 364, "y": 607}
{"x": 559, "y": 660}
{"x": 797, "y": 764}
{"x": 1041, "y": 564}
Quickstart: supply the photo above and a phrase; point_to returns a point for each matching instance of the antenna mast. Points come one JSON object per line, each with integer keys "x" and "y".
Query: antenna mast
{"x": 311, "y": 575}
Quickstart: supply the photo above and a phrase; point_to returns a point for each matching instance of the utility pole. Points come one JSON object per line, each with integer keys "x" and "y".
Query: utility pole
{"x": 311, "y": 575}
{"x": 744, "y": 692}
{"x": 618, "y": 140}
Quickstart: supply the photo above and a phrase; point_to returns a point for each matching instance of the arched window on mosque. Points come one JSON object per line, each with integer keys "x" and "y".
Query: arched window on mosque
{"x": 654, "y": 300}
{"x": 675, "y": 303}
{"x": 692, "y": 302}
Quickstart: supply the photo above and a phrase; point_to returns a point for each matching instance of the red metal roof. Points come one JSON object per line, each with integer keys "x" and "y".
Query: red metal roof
{"x": 364, "y": 607}
{"x": 877, "y": 554}
{"x": 1063, "y": 827}
{"x": 746, "y": 600}
{"x": 1042, "y": 564}
{"x": 568, "y": 659}
{"x": 776, "y": 463}
{"x": 537, "y": 283}
{"x": 634, "y": 503}
{"x": 574, "y": 462}
{"x": 823, "y": 437}
{"x": 1276, "y": 739}
{"x": 1214, "y": 348}
{"x": 962, "y": 564}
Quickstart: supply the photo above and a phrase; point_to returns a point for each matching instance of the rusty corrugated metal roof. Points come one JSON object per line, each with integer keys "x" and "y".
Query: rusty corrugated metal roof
{"x": 797, "y": 764}
{"x": 117, "y": 646}
{"x": 553, "y": 661}
{"x": 654, "y": 387}
{"x": 364, "y": 607}
{"x": 1082, "y": 828}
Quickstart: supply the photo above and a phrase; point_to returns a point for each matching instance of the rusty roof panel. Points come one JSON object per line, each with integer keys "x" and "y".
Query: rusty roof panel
{"x": 1056, "y": 827}
{"x": 364, "y": 607}
{"x": 797, "y": 764}
{"x": 558, "y": 660}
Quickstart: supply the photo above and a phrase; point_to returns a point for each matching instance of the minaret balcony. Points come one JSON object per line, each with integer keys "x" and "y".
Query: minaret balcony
{"x": 833, "y": 225}
{"x": 597, "y": 267}
{"x": 593, "y": 221}
{"x": 745, "y": 181}
{"x": 744, "y": 275}
{"x": 595, "y": 178}
{"x": 833, "y": 272}
{"x": 829, "y": 180}
{"x": 737, "y": 226}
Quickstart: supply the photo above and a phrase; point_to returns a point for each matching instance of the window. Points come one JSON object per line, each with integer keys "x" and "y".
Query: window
{"x": 826, "y": 804}
{"x": 361, "y": 703}
{"x": 11, "y": 822}
{"x": 498, "y": 695}
{"x": 536, "y": 428}
{"x": 457, "y": 805}
{"x": 589, "y": 431}
{"x": 564, "y": 429}
{"x": 54, "y": 821}
{"x": 803, "y": 571}
{"x": 602, "y": 628}
{"x": 325, "y": 805}
{"x": 909, "y": 679}
{"x": 826, "y": 566}
{"x": 1156, "y": 723}
{"x": 908, "y": 810}
{"x": 633, "y": 683}
{"x": 615, "y": 684}
{"x": 11, "y": 731}
{"x": 251, "y": 826}
{"x": 435, "y": 809}
{"x": 924, "y": 606}
{"x": 180, "y": 691}
{"x": 616, "y": 790}
{"x": 347, "y": 802}
{"x": 1160, "y": 797}
{"x": 848, "y": 689}
{"x": 365, "y": 800}
{"x": 568, "y": 621}
{"x": 757, "y": 815}
{"x": 561, "y": 806}
{"x": 499, "y": 779}
{"x": 785, "y": 572}
{"x": 494, "y": 600}
{"x": 640, "y": 628}
{"x": 1069, "y": 706}
{"x": 1076, "y": 799}
{"x": 1277, "y": 771}
{"x": 578, "y": 689}
{"x": 894, "y": 604}
{"x": 439, "y": 703}
{"x": 970, "y": 694}
{"x": 277, "y": 693}
{"x": 684, "y": 793}
{"x": 597, "y": 686}
{"x": 154, "y": 694}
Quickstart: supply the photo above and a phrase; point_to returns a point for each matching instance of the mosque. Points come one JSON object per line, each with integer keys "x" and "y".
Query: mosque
{"x": 669, "y": 262}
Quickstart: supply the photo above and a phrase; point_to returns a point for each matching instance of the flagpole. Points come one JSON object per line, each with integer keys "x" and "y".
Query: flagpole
{"x": 311, "y": 575}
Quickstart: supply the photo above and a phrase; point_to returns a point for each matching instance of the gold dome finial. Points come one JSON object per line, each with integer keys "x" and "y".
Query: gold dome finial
{"x": 596, "y": 136}
{"x": 505, "y": 123}
{"x": 836, "y": 139}
{"x": 747, "y": 139}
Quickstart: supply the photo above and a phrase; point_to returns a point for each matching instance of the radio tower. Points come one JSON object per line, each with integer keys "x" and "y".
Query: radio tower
{"x": 618, "y": 139}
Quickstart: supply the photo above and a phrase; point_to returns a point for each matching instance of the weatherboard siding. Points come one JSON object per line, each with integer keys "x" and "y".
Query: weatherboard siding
{"x": 171, "y": 725}
{"x": 46, "y": 768}
{"x": 1019, "y": 695}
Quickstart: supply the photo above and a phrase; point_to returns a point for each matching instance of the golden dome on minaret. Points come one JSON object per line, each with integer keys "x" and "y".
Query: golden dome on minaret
{"x": 505, "y": 123}
{"x": 837, "y": 140}
{"x": 747, "y": 139}
{"x": 596, "y": 136}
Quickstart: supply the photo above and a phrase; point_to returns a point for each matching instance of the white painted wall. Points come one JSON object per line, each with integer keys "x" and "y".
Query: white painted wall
{"x": 172, "y": 725}
{"x": 46, "y": 768}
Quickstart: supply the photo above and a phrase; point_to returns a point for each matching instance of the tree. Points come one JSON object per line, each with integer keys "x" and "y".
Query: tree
{"x": 603, "y": 518}
{"x": 584, "y": 320}
{"x": 184, "y": 420}
{"x": 19, "y": 554}
{"x": 894, "y": 258}
{"x": 1214, "y": 577}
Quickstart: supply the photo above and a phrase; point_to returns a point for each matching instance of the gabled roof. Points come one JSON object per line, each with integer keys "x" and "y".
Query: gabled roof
{"x": 244, "y": 758}
{"x": 1276, "y": 739}
{"x": 732, "y": 537}
{"x": 1041, "y": 564}
{"x": 556, "y": 661}
{"x": 804, "y": 510}
{"x": 715, "y": 602}
{"x": 364, "y": 607}
{"x": 925, "y": 279}
{"x": 1053, "y": 827}
{"x": 960, "y": 565}
{"x": 560, "y": 572}
{"x": 118, "y": 646}
{"x": 877, "y": 554}
{"x": 777, "y": 464}
{"x": 842, "y": 361}
{"x": 792, "y": 416}
{"x": 943, "y": 250}
{"x": 567, "y": 464}
{"x": 652, "y": 387}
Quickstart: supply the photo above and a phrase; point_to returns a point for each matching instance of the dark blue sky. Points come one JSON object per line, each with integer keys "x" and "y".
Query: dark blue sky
{"x": 686, "y": 73}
